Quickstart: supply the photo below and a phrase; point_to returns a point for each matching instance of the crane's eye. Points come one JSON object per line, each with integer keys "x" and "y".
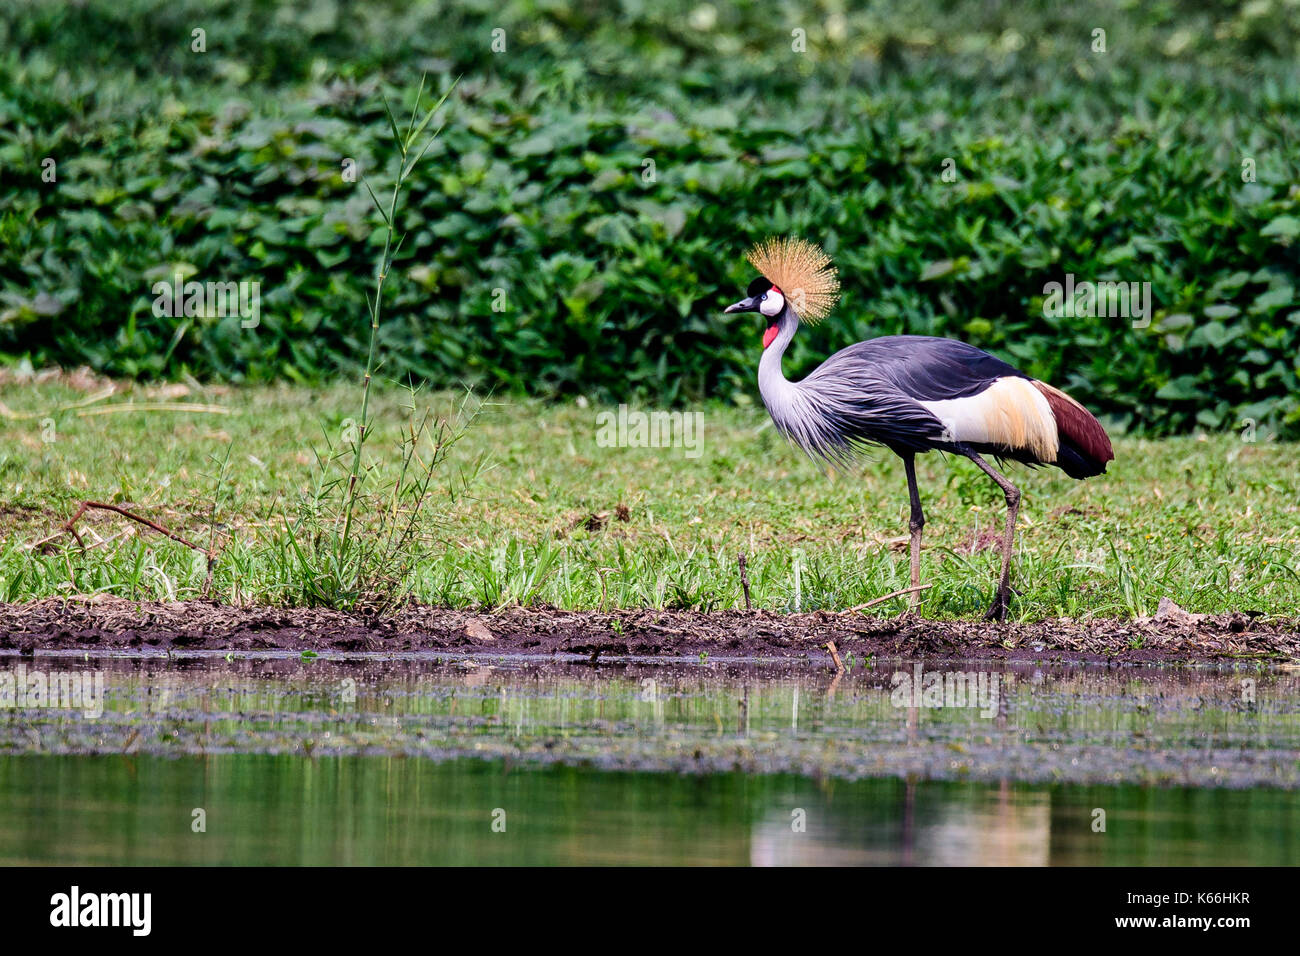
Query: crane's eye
{"x": 764, "y": 299}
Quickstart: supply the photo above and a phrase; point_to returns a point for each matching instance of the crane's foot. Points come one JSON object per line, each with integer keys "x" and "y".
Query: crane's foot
{"x": 1001, "y": 604}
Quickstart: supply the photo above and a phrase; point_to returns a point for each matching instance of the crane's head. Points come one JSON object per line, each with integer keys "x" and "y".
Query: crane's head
{"x": 765, "y": 297}
{"x": 795, "y": 278}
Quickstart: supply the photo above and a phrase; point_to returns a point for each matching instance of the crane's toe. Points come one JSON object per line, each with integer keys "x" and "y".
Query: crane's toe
{"x": 1001, "y": 604}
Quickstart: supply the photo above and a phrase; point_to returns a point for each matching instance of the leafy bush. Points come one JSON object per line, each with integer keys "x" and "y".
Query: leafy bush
{"x": 580, "y": 222}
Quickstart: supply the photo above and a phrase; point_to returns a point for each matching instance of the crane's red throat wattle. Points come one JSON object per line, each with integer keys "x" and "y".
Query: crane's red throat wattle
{"x": 768, "y": 336}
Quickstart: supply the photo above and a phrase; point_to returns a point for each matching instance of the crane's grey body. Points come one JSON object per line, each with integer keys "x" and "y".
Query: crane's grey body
{"x": 871, "y": 393}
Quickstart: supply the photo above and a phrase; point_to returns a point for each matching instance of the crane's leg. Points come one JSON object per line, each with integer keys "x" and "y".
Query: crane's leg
{"x": 1002, "y": 600}
{"x": 915, "y": 525}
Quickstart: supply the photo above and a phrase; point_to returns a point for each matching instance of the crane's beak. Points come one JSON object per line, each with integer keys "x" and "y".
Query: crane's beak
{"x": 744, "y": 305}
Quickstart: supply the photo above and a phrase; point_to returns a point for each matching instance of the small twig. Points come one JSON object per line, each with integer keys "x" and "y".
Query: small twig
{"x": 885, "y": 597}
{"x": 70, "y": 527}
{"x": 97, "y": 397}
{"x": 154, "y": 407}
{"x": 600, "y": 573}
{"x": 207, "y": 577}
{"x": 744, "y": 580}
{"x": 835, "y": 656}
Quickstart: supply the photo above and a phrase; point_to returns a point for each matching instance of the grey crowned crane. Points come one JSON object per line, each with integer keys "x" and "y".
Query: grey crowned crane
{"x": 910, "y": 393}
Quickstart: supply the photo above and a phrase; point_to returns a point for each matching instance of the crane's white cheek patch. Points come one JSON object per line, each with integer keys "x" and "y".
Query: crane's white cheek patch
{"x": 773, "y": 304}
{"x": 1010, "y": 413}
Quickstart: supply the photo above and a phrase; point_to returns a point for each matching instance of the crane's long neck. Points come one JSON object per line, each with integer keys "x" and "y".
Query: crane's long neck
{"x": 779, "y": 395}
{"x": 799, "y": 412}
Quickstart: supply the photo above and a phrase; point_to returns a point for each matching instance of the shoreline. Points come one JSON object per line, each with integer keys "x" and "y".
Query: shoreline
{"x": 109, "y": 624}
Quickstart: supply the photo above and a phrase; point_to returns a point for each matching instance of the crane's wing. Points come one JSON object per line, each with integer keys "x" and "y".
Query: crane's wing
{"x": 913, "y": 393}
{"x": 922, "y": 367}
{"x": 908, "y": 392}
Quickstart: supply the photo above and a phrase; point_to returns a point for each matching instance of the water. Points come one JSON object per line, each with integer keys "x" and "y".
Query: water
{"x": 426, "y": 760}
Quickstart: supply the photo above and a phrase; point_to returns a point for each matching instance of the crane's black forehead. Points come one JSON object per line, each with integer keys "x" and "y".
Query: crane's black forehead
{"x": 758, "y": 287}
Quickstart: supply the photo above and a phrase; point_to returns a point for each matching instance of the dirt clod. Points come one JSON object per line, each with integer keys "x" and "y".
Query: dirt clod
{"x": 1167, "y": 610}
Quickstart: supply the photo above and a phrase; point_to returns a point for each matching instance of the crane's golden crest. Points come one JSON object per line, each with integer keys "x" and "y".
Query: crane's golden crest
{"x": 801, "y": 271}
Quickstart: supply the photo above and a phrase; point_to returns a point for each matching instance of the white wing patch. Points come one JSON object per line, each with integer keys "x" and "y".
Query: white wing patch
{"x": 1010, "y": 413}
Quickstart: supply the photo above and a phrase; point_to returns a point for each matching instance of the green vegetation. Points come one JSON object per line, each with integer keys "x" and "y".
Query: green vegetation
{"x": 528, "y": 509}
{"x": 543, "y": 258}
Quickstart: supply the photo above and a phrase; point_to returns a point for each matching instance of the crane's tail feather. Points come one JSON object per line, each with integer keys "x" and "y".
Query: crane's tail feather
{"x": 1084, "y": 445}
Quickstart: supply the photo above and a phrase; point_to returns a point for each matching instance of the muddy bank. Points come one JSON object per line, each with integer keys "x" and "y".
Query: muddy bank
{"x": 110, "y": 623}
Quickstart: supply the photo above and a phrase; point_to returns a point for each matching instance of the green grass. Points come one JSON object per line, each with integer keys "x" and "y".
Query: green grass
{"x": 1211, "y": 522}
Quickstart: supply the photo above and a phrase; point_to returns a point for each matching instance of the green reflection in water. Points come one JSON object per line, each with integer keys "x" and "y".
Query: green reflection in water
{"x": 386, "y": 810}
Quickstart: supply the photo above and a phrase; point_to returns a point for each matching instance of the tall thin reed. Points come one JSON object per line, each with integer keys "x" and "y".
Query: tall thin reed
{"x": 405, "y": 144}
